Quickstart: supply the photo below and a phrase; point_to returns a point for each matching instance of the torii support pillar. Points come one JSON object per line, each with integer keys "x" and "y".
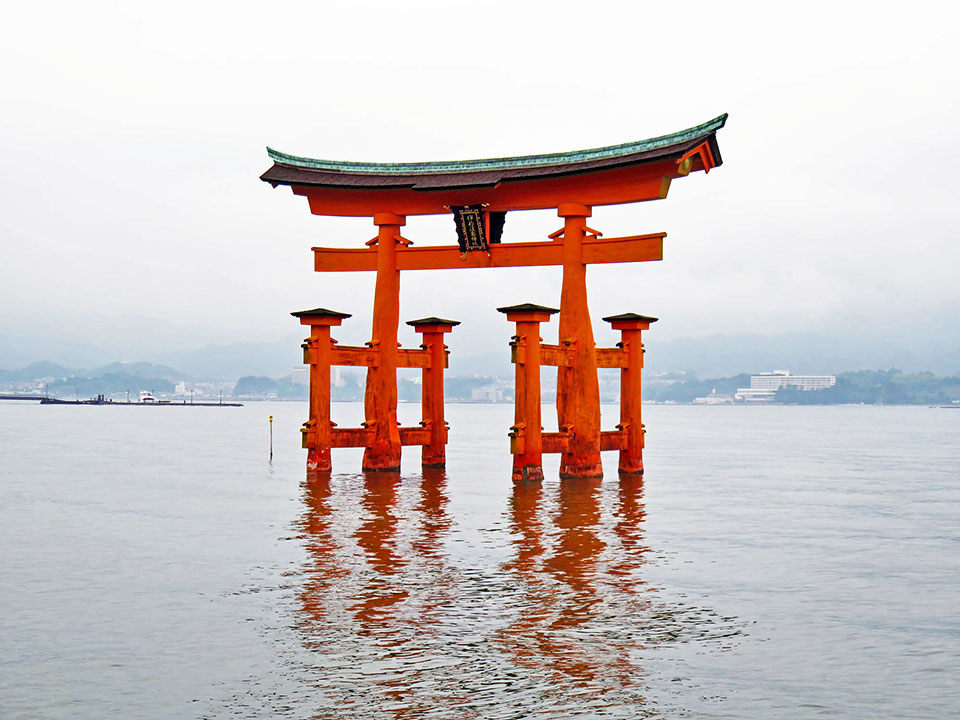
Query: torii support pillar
{"x": 317, "y": 352}
{"x": 526, "y": 435}
{"x": 380, "y": 398}
{"x": 578, "y": 388}
{"x": 433, "y": 455}
{"x": 631, "y": 449}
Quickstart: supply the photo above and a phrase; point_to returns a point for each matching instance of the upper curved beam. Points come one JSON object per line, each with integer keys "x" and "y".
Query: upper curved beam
{"x": 358, "y": 188}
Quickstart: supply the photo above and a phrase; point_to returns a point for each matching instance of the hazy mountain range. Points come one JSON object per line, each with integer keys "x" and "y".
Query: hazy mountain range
{"x": 930, "y": 342}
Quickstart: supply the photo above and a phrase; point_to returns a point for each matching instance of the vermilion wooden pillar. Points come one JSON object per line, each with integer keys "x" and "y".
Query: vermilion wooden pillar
{"x": 317, "y": 350}
{"x": 380, "y": 400}
{"x": 630, "y": 325}
{"x": 578, "y": 388}
{"x": 526, "y": 436}
{"x": 433, "y": 329}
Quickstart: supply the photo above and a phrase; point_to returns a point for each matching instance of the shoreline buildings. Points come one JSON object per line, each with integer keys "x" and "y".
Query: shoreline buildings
{"x": 763, "y": 387}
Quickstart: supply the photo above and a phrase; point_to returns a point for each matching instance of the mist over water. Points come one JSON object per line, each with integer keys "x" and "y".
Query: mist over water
{"x": 774, "y": 562}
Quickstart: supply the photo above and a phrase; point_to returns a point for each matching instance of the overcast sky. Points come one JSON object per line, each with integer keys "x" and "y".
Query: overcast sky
{"x": 133, "y": 137}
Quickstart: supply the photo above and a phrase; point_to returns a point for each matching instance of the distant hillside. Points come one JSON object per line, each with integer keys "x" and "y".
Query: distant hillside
{"x": 229, "y": 362}
{"x": 37, "y": 371}
{"x": 915, "y": 342}
{"x": 108, "y": 384}
{"x": 879, "y": 387}
{"x": 809, "y": 352}
{"x": 871, "y": 387}
{"x": 139, "y": 370}
{"x": 114, "y": 378}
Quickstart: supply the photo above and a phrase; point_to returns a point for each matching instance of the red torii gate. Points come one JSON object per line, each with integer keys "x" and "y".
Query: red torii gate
{"x": 572, "y": 183}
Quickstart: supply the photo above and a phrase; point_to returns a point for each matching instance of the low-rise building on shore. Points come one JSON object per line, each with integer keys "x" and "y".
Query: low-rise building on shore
{"x": 763, "y": 387}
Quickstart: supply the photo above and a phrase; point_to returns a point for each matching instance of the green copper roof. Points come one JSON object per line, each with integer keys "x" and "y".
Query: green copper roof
{"x": 525, "y": 161}
{"x": 432, "y": 321}
{"x": 528, "y": 307}
{"x": 321, "y": 312}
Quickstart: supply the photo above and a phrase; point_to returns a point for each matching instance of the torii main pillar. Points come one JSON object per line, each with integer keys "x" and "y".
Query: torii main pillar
{"x": 578, "y": 389}
{"x": 380, "y": 397}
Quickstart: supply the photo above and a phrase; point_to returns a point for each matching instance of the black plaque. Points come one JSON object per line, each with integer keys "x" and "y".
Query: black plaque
{"x": 471, "y": 230}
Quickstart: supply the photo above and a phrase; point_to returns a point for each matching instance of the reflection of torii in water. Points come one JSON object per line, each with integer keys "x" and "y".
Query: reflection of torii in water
{"x": 572, "y": 184}
{"x": 559, "y": 556}
{"x": 377, "y": 536}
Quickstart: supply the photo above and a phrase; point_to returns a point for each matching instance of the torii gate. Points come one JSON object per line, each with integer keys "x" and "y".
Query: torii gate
{"x": 571, "y": 182}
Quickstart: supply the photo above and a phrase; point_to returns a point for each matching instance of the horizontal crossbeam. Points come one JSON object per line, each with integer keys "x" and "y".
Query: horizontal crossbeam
{"x": 560, "y": 356}
{"x": 354, "y": 356}
{"x": 559, "y": 442}
{"x": 613, "y": 440}
{"x": 351, "y": 356}
{"x": 611, "y": 358}
{"x": 414, "y": 358}
{"x": 363, "y": 437}
{"x": 555, "y": 442}
{"x": 634, "y": 248}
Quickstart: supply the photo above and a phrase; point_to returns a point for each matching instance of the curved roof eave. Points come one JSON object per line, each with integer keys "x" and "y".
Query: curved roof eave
{"x": 610, "y": 152}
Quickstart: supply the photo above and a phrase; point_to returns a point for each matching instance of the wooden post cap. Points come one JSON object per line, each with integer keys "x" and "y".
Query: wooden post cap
{"x": 434, "y": 324}
{"x": 630, "y": 321}
{"x": 320, "y": 316}
{"x": 528, "y": 312}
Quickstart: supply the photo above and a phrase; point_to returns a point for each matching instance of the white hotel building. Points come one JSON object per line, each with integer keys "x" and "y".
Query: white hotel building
{"x": 763, "y": 387}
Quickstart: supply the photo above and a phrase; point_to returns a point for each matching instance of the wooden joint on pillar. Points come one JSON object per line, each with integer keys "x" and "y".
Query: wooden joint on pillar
{"x": 414, "y": 358}
{"x": 415, "y": 436}
{"x": 351, "y": 437}
{"x": 388, "y": 218}
{"x": 566, "y": 210}
{"x": 613, "y": 439}
{"x": 614, "y": 357}
{"x": 351, "y": 356}
{"x": 556, "y": 356}
{"x": 556, "y": 442}
{"x": 518, "y": 436}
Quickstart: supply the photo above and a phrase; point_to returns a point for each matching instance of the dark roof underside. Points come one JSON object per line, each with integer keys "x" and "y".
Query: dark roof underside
{"x": 630, "y": 317}
{"x": 432, "y": 321}
{"x": 293, "y": 170}
{"x": 320, "y": 312}
{"x": 527, "y": 307}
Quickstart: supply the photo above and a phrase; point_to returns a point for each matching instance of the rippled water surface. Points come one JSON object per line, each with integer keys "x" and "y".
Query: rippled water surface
{"x": 795, "y": 562}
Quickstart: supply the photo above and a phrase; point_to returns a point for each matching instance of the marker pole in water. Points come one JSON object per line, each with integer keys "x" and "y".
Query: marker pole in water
{"x": 271, "y": 438}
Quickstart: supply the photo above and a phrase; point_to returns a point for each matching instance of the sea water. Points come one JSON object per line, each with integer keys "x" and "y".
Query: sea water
{"x": 794, "y": 562}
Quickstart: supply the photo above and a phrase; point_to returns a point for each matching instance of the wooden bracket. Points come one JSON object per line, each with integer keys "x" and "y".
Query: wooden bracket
{"x": 702, "y": 151}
